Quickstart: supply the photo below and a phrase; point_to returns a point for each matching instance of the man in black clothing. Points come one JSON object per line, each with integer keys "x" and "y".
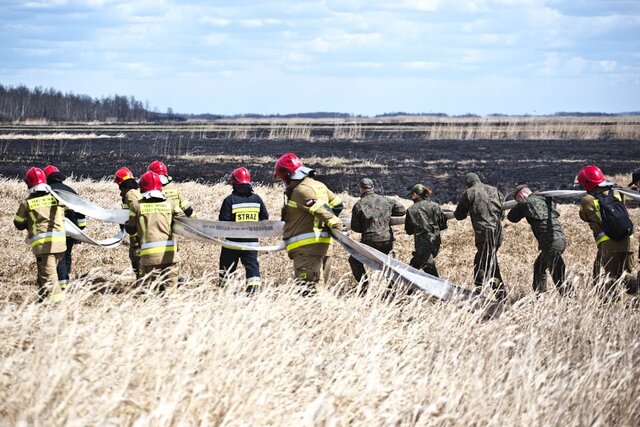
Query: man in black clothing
{"x": 242, "y": 205}
{"x": 55, "y": 180}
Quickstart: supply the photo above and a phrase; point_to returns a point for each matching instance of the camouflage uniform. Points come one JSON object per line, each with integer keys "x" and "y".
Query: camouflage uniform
{"x": 43, "y": 218}
{"x": 307, "y": 215}
{"x": 152, "y": 220}
{"x": 130, "y": 193}
{"x": 542, "y": 216}
{"x": 614, "y": 256}
{"x": 425, "y": 220}
{"x": 371, "y": 216}
{"x": 484, "y": 204}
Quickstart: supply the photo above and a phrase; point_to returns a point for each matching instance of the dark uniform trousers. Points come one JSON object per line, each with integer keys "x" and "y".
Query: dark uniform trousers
{"x": 485, "y": 264}
{"x": 64, "y": 266}
{"x": 617, "y": 265}
{"x": 357, "y": 268}
{"x": 229, "y": 259}
{"x": 550, "y": 260}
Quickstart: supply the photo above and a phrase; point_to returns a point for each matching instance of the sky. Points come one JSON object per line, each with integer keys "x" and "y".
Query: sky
{"x": 352, "y": 56}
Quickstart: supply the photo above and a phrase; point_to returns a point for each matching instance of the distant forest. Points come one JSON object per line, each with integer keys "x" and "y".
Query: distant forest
{"x": 21, "y": 103}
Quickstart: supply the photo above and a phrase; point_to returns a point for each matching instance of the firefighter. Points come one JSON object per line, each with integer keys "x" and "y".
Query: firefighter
{"x": 615, "y": 253}
{"x": 129, "y": 193}
{"x": 425, "y": 221}
{"x": 310, "y": 210}
{"x": 484, "y": 204}
{"x": 151, "y": 217}
{"x": 55, "y": 179}
{"x": 169, "y": 188}
{"x": 43, "y": 217}
{"x": 371, "y": 216}
{"x": 242, "y": 205}
{"x": 542, "y": 216}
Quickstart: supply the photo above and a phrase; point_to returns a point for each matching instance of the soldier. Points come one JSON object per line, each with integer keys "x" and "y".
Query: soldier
{"x": 55, "y": 179}
{"x": 484, "y": 204}
{"x": 615, "y": 253}
{"x": 43, "y": 218}
{"x": 424, "y": 220}
{"x": 542, "y": 216}
{"x": 151, "y": 218}
{"x": 371, "y": 216}
{"x": 169, "y": 189}
{"x": 129, "y": 193}
{"x": 242, "y": 205}
{"x": 311, "y": 209}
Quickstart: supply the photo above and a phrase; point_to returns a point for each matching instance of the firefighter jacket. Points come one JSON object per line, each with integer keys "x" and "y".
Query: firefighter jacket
{"x": 590, "y": 213}
{"x": 371, "y": 216}
{"x": 484, "y": 204}
{"x": 243, "y": 205}
{"x": 129, "y": 194}
{"x": 308, "y": 214}
{"x": 75, "y": 217}
{"x": 542, "y": 216}
{"x": 173, "y": 193}
{"x": 425, "y": 220}
{"x": 152, "y": 220}
{"x": 43, "y": 218}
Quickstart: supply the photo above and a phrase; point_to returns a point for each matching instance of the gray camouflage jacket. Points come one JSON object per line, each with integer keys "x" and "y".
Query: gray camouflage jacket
{"x": 542, "y": 215}
{"x": 371, "y": 215}
{"x": 484, "y": 204}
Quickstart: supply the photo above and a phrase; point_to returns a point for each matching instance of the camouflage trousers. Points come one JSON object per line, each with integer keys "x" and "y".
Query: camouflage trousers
{"x": 424, "y": 257}
{"x": 486, "y": 268}
{"x": 357, "y": 268}
{"x": 550, "y": 260}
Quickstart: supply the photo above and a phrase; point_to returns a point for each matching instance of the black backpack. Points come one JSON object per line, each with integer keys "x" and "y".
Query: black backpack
{"x": 615, "y": 218}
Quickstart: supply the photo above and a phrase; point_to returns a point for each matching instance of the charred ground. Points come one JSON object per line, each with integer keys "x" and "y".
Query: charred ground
{"x": 394, "y": 164}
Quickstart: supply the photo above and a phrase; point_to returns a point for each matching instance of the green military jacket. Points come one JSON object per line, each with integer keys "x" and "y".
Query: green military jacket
{"x": 371, "y": 216}
{"x": 542, "y": 216}
{"x": 425, "y": 217}
{"x": 484, "y": 204}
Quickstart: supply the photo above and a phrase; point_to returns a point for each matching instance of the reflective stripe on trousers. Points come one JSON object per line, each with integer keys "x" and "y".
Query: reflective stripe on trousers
{"x": 50, "y": 236}
{"x": 156, "y": 247}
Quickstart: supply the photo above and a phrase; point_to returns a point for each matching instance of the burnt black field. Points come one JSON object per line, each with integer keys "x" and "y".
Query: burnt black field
{"x": 395, "y": 165}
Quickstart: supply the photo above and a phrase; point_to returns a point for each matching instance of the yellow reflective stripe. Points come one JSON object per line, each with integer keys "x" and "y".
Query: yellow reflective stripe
{"x": 48, "y": 240}
{"x": 333, "y": 221}
{"x": 160, "y": 249}
{"x": 335, "y": 202}
{"x": 309, "y": 241}
{"x": 292, "y": 204}
{"x": 317, "y": 205}
{"x": 604, "y": 238}
{"x": 18, "y": 218}
{"x": 596, "y": 204}
{"x": 82, "y": 223}
{"x": 34, "y": 230}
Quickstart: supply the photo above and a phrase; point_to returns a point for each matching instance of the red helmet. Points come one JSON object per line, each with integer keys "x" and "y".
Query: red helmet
{"x": 286, "y": 166}
{"x": 240, "y": 176}
{"x": 150, "y": 181}
{"x": 35, "y": 176}
{"x": 122, "y": 175}
{"x": 590, "y": 177}
{"x": 49, "y": 169}
{"x": 158, "y": 167}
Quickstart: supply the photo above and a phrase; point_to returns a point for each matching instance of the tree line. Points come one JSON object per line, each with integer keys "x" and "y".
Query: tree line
{"x": 22, "y": 103}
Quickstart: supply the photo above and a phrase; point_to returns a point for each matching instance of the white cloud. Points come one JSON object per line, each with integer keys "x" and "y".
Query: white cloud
{"x": 215, "y": 39}
{"x": 418, "y": 5}
{"x": 422, "y": 65}
{"x": 216, "y": 22}
{"x": 607, "y": 66}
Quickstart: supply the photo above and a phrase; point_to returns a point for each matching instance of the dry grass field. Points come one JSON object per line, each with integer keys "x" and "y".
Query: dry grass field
{"x": 204, "y": 356}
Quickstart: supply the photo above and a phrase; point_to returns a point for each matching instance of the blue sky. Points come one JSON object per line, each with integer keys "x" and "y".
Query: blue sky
{"x": 353, "y": 56}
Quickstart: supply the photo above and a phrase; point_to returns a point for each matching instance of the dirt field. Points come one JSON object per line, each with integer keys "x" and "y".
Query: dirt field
{"x": 394, "y": 164}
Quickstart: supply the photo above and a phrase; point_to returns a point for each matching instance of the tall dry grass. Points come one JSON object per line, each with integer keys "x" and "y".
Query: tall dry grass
{"x": 200, "y": 355}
